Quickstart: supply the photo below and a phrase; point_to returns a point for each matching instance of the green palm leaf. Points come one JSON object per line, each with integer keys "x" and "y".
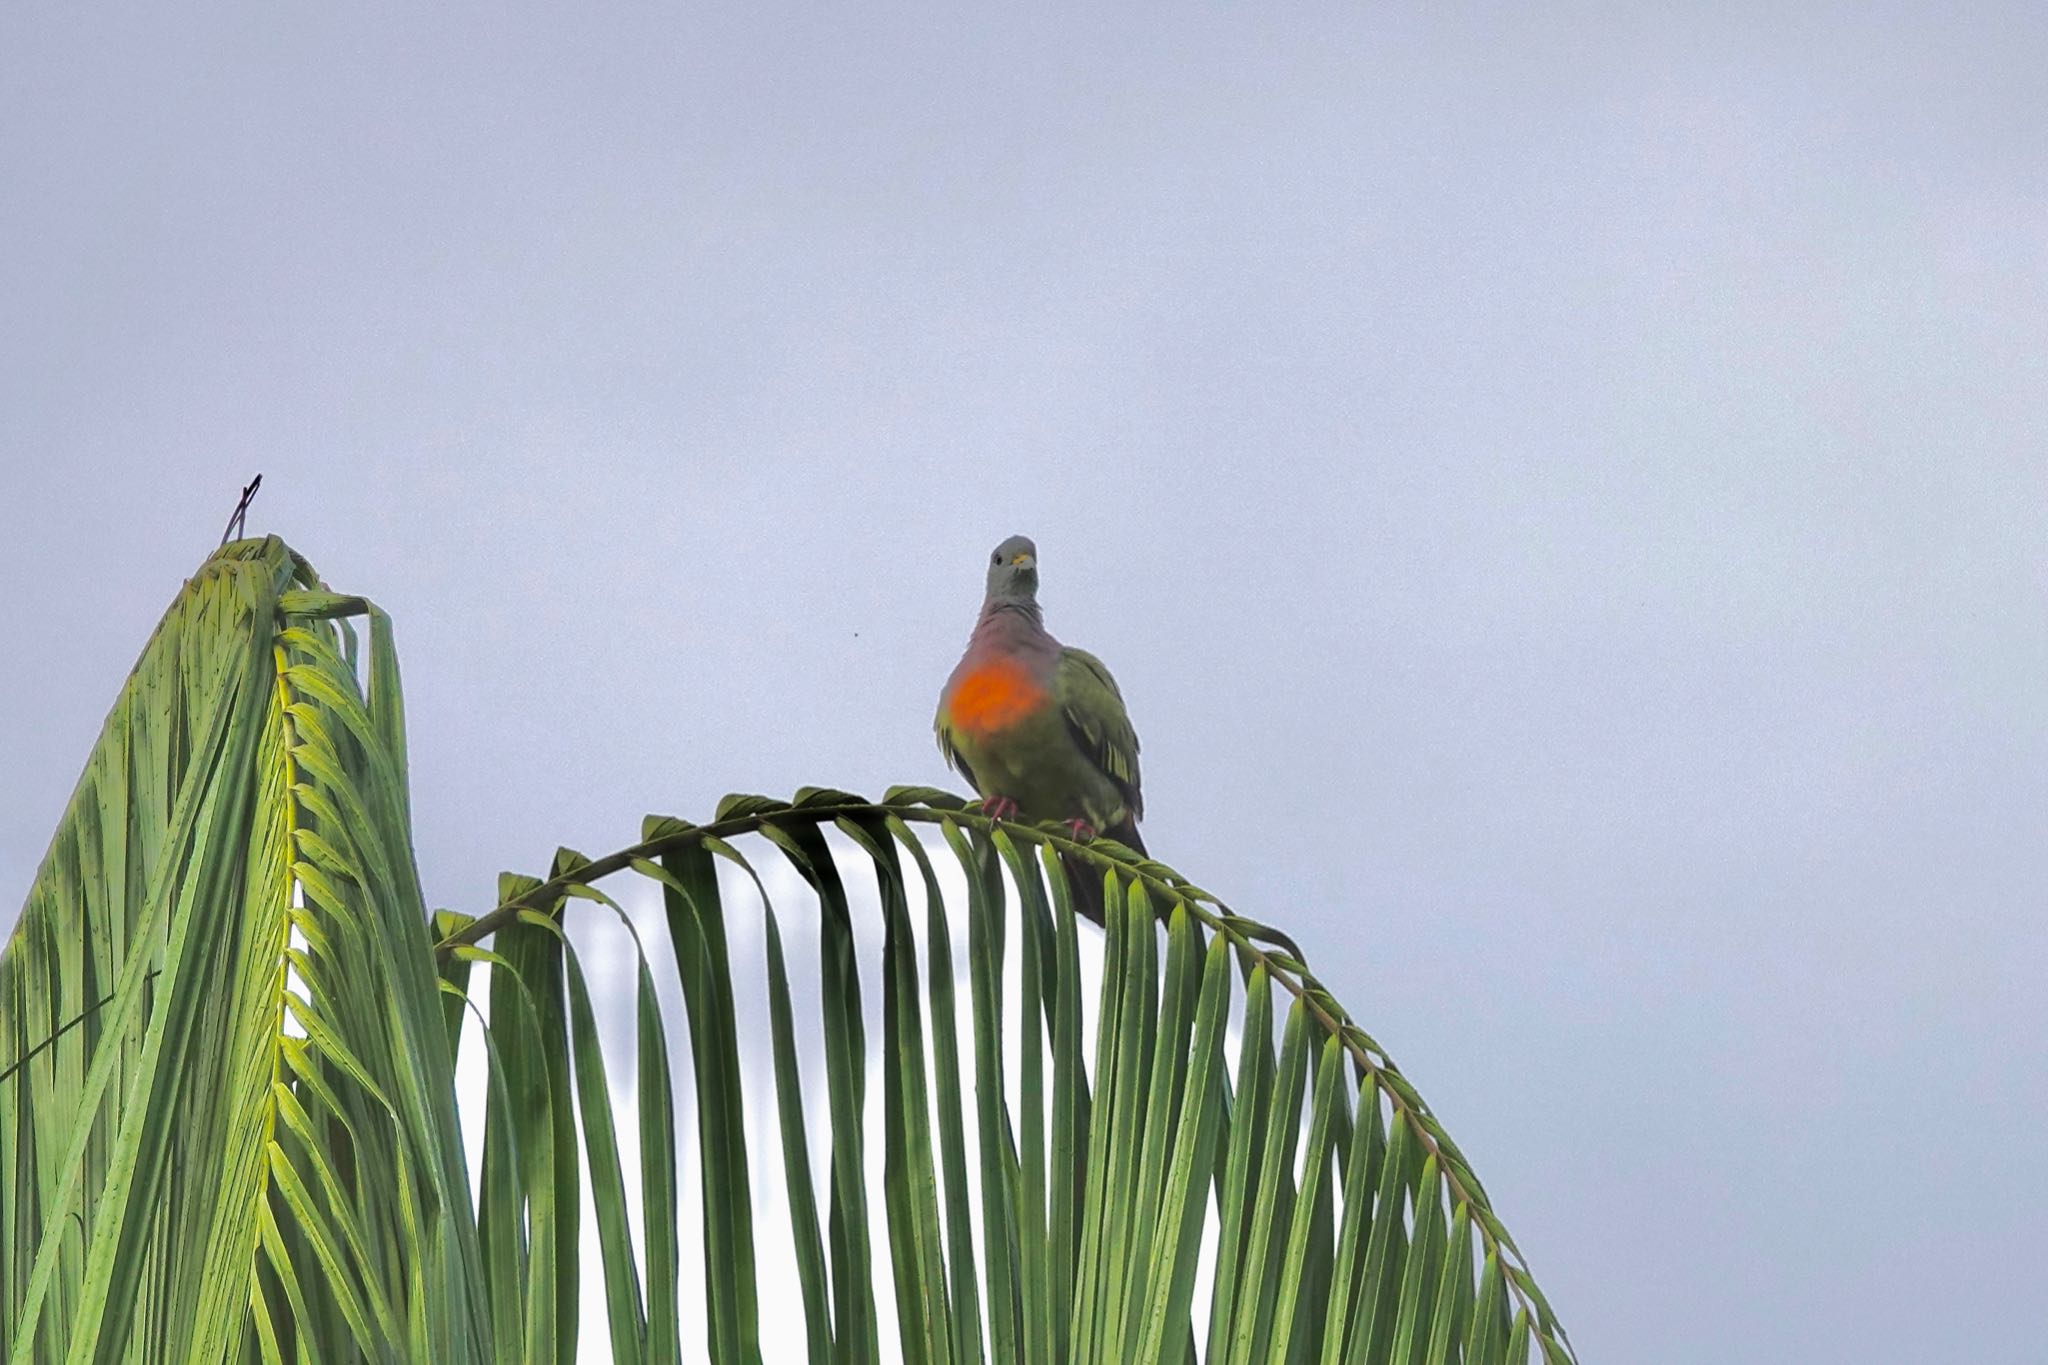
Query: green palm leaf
{"x": 228, "y": 1118}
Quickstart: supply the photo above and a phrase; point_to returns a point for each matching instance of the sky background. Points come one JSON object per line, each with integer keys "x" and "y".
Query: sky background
{"x": 1564, "y": 492}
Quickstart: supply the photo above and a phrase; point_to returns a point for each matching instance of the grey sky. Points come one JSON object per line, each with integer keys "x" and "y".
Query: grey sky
{"x": 1563, "y": 491}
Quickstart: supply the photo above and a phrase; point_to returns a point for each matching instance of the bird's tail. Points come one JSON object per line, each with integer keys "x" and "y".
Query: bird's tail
{"x": 1084, "y": 879}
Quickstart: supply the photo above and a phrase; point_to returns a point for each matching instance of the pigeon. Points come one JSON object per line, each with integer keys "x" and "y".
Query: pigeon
{"x": 1038, "y": 728}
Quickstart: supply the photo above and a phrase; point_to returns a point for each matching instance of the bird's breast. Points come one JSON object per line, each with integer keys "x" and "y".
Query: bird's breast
{"x": 994, "y": 696}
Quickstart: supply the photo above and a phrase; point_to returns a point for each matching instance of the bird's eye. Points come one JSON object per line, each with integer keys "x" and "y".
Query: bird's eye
{"x": 995, "y": 559}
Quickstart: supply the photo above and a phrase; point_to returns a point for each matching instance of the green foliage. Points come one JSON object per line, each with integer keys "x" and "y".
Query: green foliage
{"x": 228, "y": 1127}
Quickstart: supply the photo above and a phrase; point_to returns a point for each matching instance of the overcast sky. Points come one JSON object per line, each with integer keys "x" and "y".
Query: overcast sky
{"x": 1563, "y": 489}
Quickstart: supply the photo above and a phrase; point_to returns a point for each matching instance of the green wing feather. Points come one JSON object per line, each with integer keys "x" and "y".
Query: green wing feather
{"x": 1098, "y": 722}
{"x": 947, "y": 749}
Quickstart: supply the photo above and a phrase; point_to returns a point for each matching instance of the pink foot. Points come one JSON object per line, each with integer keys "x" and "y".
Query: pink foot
{"x": 998, "y": 808}
{"x": 1080, "y": 829}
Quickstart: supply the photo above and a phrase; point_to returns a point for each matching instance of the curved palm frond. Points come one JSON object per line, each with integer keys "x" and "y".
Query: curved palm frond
{"x": 229, "y": 1127}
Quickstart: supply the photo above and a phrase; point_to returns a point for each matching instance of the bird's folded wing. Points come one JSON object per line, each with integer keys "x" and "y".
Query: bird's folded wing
{"x": 1098, "y": 722}
{"x": 944, "y": 734}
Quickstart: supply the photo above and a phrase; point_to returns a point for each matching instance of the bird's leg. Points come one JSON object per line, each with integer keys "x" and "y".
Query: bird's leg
{"x": 998, "y": 808}
{"x": 1080, "y": 829}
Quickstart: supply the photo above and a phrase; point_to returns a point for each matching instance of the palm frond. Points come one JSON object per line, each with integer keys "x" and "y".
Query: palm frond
{"x": 230, "y": 1128}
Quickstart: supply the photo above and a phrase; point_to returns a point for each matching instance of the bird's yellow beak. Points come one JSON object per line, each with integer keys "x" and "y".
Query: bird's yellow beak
{"x": 1021, "y": 561}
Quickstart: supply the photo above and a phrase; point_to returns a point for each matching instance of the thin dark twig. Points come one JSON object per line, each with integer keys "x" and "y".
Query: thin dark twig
{"x": 25, "y": 1058}
{"x": 238, "y": 523}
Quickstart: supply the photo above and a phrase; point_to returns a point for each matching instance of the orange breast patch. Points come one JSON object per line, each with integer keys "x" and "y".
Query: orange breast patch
{"x": 994, "y": 697}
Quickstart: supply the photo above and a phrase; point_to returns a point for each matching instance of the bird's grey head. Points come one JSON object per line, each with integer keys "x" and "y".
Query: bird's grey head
{"x": 1013, "y": 571}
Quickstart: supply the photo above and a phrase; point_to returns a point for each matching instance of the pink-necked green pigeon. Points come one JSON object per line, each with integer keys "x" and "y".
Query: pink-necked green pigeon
{"x": 1038, "y": 728}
